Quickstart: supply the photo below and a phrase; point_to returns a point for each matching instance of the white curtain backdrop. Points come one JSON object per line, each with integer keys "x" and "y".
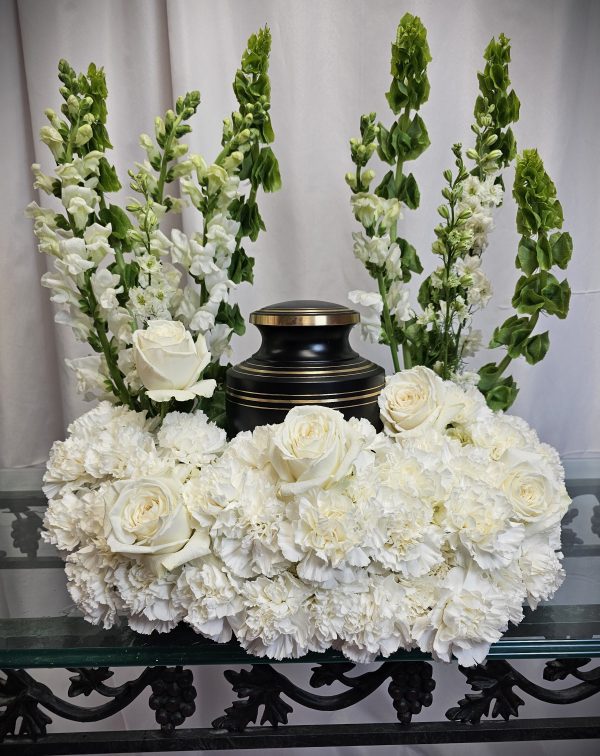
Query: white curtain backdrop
{"x": 329, "y": 64}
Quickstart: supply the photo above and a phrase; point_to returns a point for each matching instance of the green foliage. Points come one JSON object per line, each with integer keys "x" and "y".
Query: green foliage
{"x": 538, "y": 207}
{"x": 538, "y": 291}
{"x": 410, "y": 56}
{"x": 496, "y": 102}
{"x": 230, "y": 315}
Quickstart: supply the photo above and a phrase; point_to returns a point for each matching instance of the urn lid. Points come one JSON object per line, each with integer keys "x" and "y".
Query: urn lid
{"x": 304, "y": 312}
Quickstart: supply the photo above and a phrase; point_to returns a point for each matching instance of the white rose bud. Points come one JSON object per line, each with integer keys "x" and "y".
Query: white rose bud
{"x": 169, "y": 363}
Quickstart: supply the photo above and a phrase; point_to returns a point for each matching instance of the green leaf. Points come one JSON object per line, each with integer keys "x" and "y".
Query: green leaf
{"x": 512, "y": 334}
{"x": 488, "y": 376}
{"x": 409, "y": 259}
{"x": 542, "y": 292}
{"x": 527, "y": 256}
{"x": 385, "y": 145}
{"x": 387, "y": 187}
{"x": 544, "y": 253}
{"x": 536, "y": 347}
{"x": 230, "y": 315}
{"x": 118, "y": 219}
{"x": 409, "y": 192}
{"x": 502, "y": 395}
{"x": 241, "y": 267}
{"x": 62, "y": 222}
{"x": 108, "y": 181}
{"x": 265, "y": 171}
{"x": 562, "y": 248}
{"x": 214, "y": 407}
{"x": 251, "y": 223}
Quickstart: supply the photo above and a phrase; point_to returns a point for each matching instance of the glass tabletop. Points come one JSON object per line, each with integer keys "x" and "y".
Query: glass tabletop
{"x": 40, "y": 627}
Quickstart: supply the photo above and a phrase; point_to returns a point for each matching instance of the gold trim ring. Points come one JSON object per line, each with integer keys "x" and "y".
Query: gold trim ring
{"x": 273, "y": 398}
{"x": 296, "y": 318}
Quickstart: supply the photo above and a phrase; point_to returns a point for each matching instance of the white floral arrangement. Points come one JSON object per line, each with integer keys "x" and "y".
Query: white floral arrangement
{"x": 318, "y": 532}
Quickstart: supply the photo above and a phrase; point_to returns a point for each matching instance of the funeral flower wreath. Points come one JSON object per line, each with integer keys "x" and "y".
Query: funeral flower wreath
{"x": 318, "y": 532}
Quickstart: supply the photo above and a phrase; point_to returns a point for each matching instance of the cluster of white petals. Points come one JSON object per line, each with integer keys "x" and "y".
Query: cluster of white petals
{"x": 317, "y": 532}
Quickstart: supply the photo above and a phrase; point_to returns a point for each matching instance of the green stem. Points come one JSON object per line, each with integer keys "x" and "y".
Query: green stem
{"x": 115, "y": 374}
{"x": 389, "y": 328}
{"x": 164, "y": 163}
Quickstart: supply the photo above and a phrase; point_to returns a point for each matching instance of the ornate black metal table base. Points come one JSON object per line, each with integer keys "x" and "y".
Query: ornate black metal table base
{"x": 24, "y": 703}
{"x": 411, "y": 686}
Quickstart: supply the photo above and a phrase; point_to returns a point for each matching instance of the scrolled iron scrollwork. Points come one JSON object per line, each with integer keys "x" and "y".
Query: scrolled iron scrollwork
{"x": 495, "y": 679}
{"x": 22, "y": 698}
{"x": 411, "y": 686}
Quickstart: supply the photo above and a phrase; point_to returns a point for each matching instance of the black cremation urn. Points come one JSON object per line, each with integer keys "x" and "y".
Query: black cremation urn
{"x": 305, "y": 358}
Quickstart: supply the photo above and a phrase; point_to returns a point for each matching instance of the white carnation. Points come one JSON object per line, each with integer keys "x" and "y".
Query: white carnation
{"x": 364, "y": 620}
{"x": 541, "y": 569}
{"x": 244, "y": 532}
{"x": 322, "y": 533}
{"x": 148, "y": 598}
{"x": 90, "y": 575}
{"x": 275, "y": 621}
{"x": 209, "y": 595}
{"x": 191, "y": 438}
{"x": 406, "y": 540}
{"x": 469, "y": 615}
{"x": 478, "y": 518}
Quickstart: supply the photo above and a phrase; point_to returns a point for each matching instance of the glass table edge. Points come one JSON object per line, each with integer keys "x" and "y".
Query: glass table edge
{"x": 227, "y": 655}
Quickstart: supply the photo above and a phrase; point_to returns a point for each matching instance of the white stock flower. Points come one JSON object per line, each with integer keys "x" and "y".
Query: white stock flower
{"x": 79, "y": 202}
{"x": 314, "y": 446}
{"x": 91, "y": 374}
{"x": 217, "y": 340}
{"x": 372, "y": 250}
{"x": 105, "y": 286}
{"x": 369, "y": 299}
{"x": 398, "y": 299}
{"x": 96, "y": 242}
{"x": 191, "y": 438}
{"x": 414, "y": 401}
{"x": 371, "y": 210}
{"x": 169, "y": 363}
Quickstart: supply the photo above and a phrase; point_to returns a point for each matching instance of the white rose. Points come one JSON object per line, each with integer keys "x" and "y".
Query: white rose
{"x": 314, "y": 446}
{"x": 413, "y": 401}
{"x": 147, "y": 517}
{"x": 169, "y": 363}
{"x": 538, "y": 500}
